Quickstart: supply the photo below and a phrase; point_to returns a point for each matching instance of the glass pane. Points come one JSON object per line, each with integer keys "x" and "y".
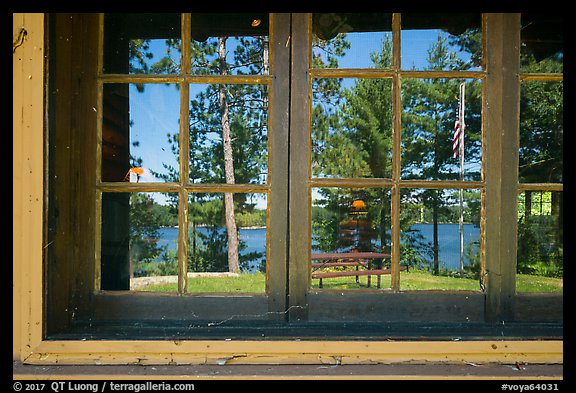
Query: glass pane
{"x": 228, "y": 134}
{"x": 541, "y": 132}
{"x": 430, "y": 242}
{"x": 542, "y": 37}
{"x": 429, "y": 116}
{"x": 345, "y": 222}
{"x": 540, "y": 264}
{"x": 140, "y": 131}
{"x": 227, "y": 242}
{"x": 139, "y": 248}
{"x": 142, "y": 43}
{"x": 352, "y": 127}
{"x": 448, "y": 41}
{"x": 352, "y": 40}
{"x": 230, "y": 44}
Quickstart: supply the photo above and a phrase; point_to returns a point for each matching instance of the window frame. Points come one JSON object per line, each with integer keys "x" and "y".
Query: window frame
{"x": 31, "y": 346}
{"x": 269, "y": 305}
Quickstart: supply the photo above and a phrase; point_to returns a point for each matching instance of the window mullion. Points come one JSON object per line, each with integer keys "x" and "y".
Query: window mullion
{"x": 396, "y": 153}
{"x": 184, "y": 154}
{"x": 502, "y": 136}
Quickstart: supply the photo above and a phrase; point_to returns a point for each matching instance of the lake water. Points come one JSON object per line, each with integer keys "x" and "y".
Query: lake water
{"x": 448, "y": 239}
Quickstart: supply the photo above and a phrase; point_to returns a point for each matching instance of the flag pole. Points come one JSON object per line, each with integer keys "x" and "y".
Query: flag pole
{"x": 461, "y": 156}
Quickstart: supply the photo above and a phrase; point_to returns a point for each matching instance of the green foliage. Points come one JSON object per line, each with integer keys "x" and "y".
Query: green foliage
{"x": 539, "y": 251}
{"x": 253, "y": 218}
{"x": 541, "y": 132}
{"x": 144, "y": 232}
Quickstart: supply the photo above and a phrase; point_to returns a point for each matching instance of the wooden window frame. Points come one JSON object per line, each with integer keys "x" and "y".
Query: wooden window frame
{"x": 326, "y": 305}
{"x": 498, "y": 187}
{"x": 118, "y": 306}
{"x": 29, "y": 341}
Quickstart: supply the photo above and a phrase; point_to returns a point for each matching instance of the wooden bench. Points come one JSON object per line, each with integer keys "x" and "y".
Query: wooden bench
{"x": 359, "y": 260}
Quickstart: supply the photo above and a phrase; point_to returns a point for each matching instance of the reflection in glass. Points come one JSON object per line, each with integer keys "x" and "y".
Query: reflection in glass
{"x": 540, "y": 263}
{"x": 351, "y": 127}
{"x": 142, "y": 43}
{"x": 542, "y": 42}
{"x": 228, "y": 133}
{"x": 351, "y": 220}
{"x": 137, "y": 240}
{"x": 140, "y": 133}
{"x": 429, "y": 112}
{"x": 449, "y": 41}
{"x": 430, "y": 239}
{"x": 227, "y": 234}
{"x": 351, "y": 40}
{"x": 230, "y": 44}
{"x": 541, "y": 132}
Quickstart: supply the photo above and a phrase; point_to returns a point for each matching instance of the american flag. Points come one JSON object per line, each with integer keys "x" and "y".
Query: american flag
{"x": 458, "y": 129}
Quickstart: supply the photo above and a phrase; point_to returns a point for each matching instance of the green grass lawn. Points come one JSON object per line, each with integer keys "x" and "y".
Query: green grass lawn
{"x": 411, "y": 280}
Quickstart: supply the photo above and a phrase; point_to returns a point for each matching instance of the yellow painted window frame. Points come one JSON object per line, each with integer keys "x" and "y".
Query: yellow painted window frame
{"x": 28, "y": 270}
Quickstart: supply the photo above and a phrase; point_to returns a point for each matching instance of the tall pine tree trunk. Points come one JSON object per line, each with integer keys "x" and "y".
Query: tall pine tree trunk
{"x": 231, "y": 229}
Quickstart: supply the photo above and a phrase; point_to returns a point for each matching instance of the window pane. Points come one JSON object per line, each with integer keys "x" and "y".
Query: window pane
{"x": 540, "y": 263}
{"x": 227, "y": 242}
{"x": 234, "y": 44}
{"x": 430, "y": 239}
{"x": 142, "y": 43}
{"x": 140, "y": 133}
{"x": 352, "y": 40}
{"x": 541, "y": 132}
{"x": 138, "y": 246}
{"x": 448, "y": 41}
{"x": 542, "y": 43}
{"x": 429, "y": 113}
{"x": 350, "y": 220}
{"x": 228, "y": 123}
{"x": 352, "y": 127}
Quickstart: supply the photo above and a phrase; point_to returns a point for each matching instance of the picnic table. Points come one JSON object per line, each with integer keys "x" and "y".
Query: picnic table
{"x": 362, "y": 261}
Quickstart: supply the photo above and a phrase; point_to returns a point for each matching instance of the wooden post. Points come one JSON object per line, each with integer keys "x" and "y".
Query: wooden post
{"x": 276, "y": 265}
{"x": 299, "y": 150}
{"x": 501, "y": 124}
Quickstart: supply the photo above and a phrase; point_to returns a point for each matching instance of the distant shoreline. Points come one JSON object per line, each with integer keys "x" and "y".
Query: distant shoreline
{"x": 205, "y": 226}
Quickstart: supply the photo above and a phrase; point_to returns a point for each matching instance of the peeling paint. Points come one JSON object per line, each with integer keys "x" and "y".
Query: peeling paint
{"x": 19, "y": 41}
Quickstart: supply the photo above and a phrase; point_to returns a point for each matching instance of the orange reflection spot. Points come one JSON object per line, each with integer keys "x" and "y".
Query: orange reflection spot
{"x": 358, "y": 204}
{"x": 136, "y": 171}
